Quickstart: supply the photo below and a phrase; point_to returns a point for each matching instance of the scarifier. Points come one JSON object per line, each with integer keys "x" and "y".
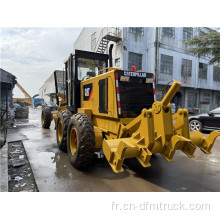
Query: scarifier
{"x": 106, "y": 108}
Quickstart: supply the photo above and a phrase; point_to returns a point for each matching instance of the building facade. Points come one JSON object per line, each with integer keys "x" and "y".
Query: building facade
{"x": 48, "y": 91}
{"x": 7, "y": 83}
{"x": 161, "y": 51}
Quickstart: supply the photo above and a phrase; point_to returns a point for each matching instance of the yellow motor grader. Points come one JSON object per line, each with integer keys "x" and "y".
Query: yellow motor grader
{"x": 104, "y": 107}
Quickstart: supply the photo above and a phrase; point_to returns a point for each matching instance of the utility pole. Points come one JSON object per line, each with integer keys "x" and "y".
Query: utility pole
{"x": 156, "y": 44}
{"x": 197, "y": 64}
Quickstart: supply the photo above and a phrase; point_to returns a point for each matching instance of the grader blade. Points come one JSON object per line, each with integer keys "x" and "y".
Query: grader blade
{"x": 178, "y": 143}
{"x": 116, "y": 150}
{"x": 203, "y": 142}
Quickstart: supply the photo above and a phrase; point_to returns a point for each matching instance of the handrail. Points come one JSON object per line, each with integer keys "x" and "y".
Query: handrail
{"x": 113, "y": 31}
{"x": 99, "y": 39}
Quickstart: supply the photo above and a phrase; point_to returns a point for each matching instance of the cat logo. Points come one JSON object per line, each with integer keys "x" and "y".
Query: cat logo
{"x": 87, "y": 91}
{"x": 136, "y": 74}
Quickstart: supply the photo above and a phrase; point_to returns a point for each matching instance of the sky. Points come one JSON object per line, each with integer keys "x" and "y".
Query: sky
{"x": 32, "y": 54}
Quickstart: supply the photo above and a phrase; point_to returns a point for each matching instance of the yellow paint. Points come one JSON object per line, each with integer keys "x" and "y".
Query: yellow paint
{"x": 98, "y": 139}
{"x": 73, "y": 140}
{"x": 94, "y": 101}
{"x": 60, "y": 131}
{"x": 42, "y": 118}
{"x": 85, "y": 111}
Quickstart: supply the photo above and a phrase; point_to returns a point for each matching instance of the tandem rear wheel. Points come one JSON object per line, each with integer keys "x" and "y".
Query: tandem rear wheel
{"x": 61, "y": 129}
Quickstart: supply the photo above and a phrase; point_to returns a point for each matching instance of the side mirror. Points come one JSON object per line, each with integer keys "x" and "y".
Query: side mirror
{"x": 210, "y": 114}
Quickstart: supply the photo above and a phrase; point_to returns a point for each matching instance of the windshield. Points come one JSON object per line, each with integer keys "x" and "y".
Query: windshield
{"x": 89, "y": 65}
{"x": 216, "y": 111}
{"x": 134, "y": 96}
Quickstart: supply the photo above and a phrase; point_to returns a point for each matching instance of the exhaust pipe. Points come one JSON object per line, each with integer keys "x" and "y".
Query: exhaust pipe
{"x": 110, "y": 55}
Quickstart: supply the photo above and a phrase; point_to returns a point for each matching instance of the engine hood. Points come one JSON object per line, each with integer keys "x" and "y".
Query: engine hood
{"x": 198, "y": 116}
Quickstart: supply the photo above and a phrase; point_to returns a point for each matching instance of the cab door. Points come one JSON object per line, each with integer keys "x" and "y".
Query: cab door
{"x": 103, "y": 95}
{"x": 70, "y": 83}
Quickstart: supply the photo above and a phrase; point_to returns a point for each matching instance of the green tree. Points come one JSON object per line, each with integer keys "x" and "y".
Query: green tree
{"x": 206, "y": 43}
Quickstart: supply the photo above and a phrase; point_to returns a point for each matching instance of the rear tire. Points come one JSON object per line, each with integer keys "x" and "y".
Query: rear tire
{"x": 61, "y": 129}
{"x": 80, "y": 141}
{"x": 46, "y": 118}
{"x": 195, "y": 125}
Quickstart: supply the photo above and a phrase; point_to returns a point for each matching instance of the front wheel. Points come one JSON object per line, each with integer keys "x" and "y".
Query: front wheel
{"x": 80, "y": 141}
{"x": 195, "y": 125}
{"x": 46, "y": 118}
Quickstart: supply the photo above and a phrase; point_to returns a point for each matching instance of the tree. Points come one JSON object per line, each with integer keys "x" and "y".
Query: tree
{"x": 206, "y": 43}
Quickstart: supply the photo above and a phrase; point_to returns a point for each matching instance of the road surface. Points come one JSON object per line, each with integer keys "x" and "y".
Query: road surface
{"x": 53, "y": 171}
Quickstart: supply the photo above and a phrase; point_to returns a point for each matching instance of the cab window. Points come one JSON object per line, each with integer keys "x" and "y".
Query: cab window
{"x": 89, "y": 65}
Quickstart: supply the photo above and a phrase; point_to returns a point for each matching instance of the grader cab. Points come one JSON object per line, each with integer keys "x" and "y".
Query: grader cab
{"x": 106, "y": 108}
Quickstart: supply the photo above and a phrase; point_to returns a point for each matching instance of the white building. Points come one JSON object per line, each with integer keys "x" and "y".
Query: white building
{"x": 48, "y": 91}
{"x": 160, "y": 51}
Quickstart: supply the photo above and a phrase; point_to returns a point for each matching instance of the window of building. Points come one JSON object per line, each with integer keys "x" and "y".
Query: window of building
{"x": 216, "y": 73}
{"x": 135, "y": 59}
{"x": 186, "y": 67}
{"x": 203, "y": 70}
{"x": 137, "y": 30}
{"x": 187, "y": 32}
{"x": 168, "y": 31}
{"x": 117, "y": 62}
{"x": 192, "y": 99}
{"x": 205, "y": 98}
{"x": 93, "y": 41}
{"x": 166, "y": 64}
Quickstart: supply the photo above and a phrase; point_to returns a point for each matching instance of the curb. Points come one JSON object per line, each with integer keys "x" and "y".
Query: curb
{"x": 4, "y": 168}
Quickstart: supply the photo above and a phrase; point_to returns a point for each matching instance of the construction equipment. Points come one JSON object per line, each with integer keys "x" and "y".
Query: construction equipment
{"x": 27, "y": 98}
{"x": 107, "y": 108}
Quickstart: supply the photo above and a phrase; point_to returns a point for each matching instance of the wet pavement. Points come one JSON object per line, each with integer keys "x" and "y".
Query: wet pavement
{"x": 53, "y": 171}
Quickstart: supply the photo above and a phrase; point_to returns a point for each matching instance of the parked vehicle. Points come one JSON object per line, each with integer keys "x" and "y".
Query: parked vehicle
{"x": 207, "y": 121}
